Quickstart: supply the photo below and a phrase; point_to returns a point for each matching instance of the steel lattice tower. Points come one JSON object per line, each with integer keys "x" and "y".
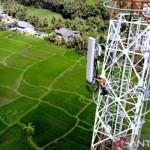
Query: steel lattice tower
{"x": 126, "y": 67}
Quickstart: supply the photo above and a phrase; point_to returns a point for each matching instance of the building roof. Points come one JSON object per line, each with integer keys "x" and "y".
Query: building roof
{"x": 39, "y": 33}
{"x": 66, "y": 32}
{"x": 24, "y": 24}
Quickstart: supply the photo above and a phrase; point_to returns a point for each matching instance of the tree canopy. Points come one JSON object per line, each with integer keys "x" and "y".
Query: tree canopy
{"x": 68, "y": 8}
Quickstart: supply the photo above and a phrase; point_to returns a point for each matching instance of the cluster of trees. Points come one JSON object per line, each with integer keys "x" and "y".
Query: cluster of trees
{"x": 93, "y": 26}
{"x": 15, "y": 10}
{"x": 68, "y": 8}
{"x": 79, "y": 43}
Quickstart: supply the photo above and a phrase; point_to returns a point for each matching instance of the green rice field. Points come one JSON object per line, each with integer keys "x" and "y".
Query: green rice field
{"x": 43, "y": 84}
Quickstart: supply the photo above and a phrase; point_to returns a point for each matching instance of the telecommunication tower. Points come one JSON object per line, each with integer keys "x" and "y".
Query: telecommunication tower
{"x": 120, "y": 113}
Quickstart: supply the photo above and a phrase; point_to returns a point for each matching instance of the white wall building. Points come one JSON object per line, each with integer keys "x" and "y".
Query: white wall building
{"x": 26, "y": 27}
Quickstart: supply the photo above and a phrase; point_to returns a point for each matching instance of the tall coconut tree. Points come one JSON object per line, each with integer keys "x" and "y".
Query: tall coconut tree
{"x": 30, "y": 129}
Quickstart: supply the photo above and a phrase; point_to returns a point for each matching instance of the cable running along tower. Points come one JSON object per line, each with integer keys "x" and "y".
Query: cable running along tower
{"x": 121, "y": 111}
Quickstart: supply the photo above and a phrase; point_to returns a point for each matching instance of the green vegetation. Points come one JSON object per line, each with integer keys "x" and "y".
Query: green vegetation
{"x": 4, "y": 54}
{"x": 2, "y": 125}
{"x": 2, "y": 26}
{"x": 53, "y": 49}
{"x": 7, "y": 95}
{"x": 31, "y": 91}
{"x": 88, "y": 114}
{"x": 12, "y": 111}
{"x": 7, "y": 45}
{"x": 73, "y": 80}
{"x": 15, "y": 59}
{"x": 71, "y": 55}
{"x": 77, "y": 136}
{"x": 66, "y": 144}
{"x": 146, "y": 129}
{"x": 10, "y": 77}
{"x": 31, "y": 41}
{"x": 74, "y": 141}
{"x": 90, "y": 2}
{"x": 5, "y": 34}
{"x": 14, "y": 138}
{"x": 66, "y": 100}
{"x": 42, "y": 13}
{"x": 33, "y": 75}
{"x": 50, "y": 123}
{"x": 34, "y": 53}
{"x": 69, "y": 9}
{"x": 86, "y": 125}
{"x": 30, "y": 129}
{"x": 40, "y": 83}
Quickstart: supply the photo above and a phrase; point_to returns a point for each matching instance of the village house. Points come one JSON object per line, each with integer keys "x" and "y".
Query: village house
{"x": 26, "y": 27}
{"x": 40, "y": 34}
{"x": 66, "y": 33}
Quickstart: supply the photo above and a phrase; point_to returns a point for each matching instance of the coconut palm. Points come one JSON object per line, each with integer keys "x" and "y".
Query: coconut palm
{"x": 30, "y": 129}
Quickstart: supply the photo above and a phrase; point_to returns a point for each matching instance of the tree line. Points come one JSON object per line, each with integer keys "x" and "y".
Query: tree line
{"x": 68, "y": 8}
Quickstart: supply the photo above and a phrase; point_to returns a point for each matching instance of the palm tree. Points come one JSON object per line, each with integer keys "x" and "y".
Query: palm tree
{"x": 2, "y": 26}
{"x": 45, "y": 23}
{"x": 30, "y": 130}
{"x": 53, "y": 20}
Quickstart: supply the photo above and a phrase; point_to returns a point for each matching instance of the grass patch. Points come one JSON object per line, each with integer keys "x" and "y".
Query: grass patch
{"x": 20, "y": 62}
{"x": 66, "y": 144}
{"x": 2, "y": 65}
{"x": 14, "y": 138}
{"x": 44, "y": 73}
{"x": 52, "y": 48}
{"x": 10, "y": 77}
{"x": 88, "y": 114}
{"x": 2, "y": 125}
{"x": 7, "y": 95}
{"x": 4, "y": 34}
{"x": 148, "y": 108}
{"x": 30, "y": 40}
{"x": 3, "y": 54}
{"x": 68, "y": 101}
{"x": 78, "y": 139}
{"x": 71, "y": 54}
{"x": 145, "y": 128}
{"x": 35, "y": 52}
{"x": 85, "y": 125}
{"x": 42, "y": 13}
{"x": 16, "y": 109}
{"x": 31, "y": 91}
{"x": 73, "y": 80}
{"x": 83, "y": 61}
{"x": 12, "y": 45}
{"x": 50, "y": 123}
{"x": 77, "y": 136}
